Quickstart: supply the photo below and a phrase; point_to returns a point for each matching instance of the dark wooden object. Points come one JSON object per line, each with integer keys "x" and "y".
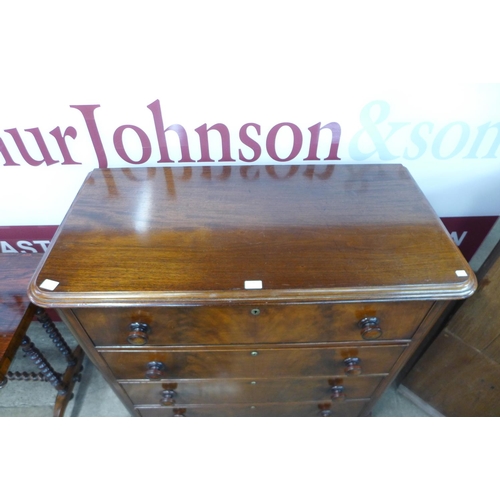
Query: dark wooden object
{"x": 459, "y": 374}
{"x": 16, "y": 314}
{"x": 155, "y": 272}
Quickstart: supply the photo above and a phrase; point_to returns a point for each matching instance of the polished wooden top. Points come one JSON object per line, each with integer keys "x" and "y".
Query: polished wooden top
{"x": 194, "y": 235}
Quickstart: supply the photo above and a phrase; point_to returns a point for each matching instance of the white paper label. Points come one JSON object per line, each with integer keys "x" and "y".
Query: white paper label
{"x": 49, "y": 285}
{"x": 253, "y": 285}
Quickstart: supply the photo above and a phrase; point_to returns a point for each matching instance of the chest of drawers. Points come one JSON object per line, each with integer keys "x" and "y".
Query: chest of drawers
{"x": 251, "y": 290}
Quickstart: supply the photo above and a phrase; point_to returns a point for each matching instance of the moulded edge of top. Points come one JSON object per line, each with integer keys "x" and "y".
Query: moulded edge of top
{"x": 55, "y": 299}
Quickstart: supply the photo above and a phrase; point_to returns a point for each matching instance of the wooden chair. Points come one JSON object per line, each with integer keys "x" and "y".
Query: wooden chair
{"x": 16, "y": 315}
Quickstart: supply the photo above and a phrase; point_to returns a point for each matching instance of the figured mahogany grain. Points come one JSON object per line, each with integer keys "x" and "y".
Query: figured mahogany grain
{"x": 349, "y": 232}
{"x": 246, "y": 324}
{"x": 237, "y": 363}
{"x": 310, "y": 409}
{"x": 233, "y": 391}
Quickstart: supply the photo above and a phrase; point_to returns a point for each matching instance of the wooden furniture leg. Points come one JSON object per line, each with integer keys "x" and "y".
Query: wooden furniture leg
{"x": 16, "y": 315}
{"x": 54, "y": 334}
{"x": 63, "y": 383}
{"x": 69, "y": 379}
{"x": 73, "y": 358}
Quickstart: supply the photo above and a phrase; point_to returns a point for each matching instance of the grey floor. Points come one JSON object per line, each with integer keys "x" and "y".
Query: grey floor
{"x": 94, "y": 398}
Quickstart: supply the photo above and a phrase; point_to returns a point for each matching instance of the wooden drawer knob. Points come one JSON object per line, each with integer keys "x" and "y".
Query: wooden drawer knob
{"x": 352, "y": 366}
{"x": 167, "y": 398}
{"x": 337, "y": 393}
{"x": 370, "y": 329}
{"x": 156, "y": 370}
{"x": 139, "y": 333}
{"x": 324, "y": 410}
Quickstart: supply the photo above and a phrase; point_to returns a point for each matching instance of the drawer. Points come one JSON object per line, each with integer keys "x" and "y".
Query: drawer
{"x": 309, "y": 409}
{"x": 262, "y": 362}
{"x": 231, "y": 391}
{"x": 252, "y": 324}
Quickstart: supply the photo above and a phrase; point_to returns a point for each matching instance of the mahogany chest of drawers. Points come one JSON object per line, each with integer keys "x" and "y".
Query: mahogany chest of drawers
{"x": 251, "y": 290}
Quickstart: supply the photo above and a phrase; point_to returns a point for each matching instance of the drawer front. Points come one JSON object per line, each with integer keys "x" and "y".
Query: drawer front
{"x": 251, "y": 363}
{"x": 310, "y": 409}
{"x": 233, "y": 391}
{"x": 225, "y": 325}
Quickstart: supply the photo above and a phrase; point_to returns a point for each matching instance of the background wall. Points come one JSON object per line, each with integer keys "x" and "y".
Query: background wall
{"x": 257, "y": 85}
